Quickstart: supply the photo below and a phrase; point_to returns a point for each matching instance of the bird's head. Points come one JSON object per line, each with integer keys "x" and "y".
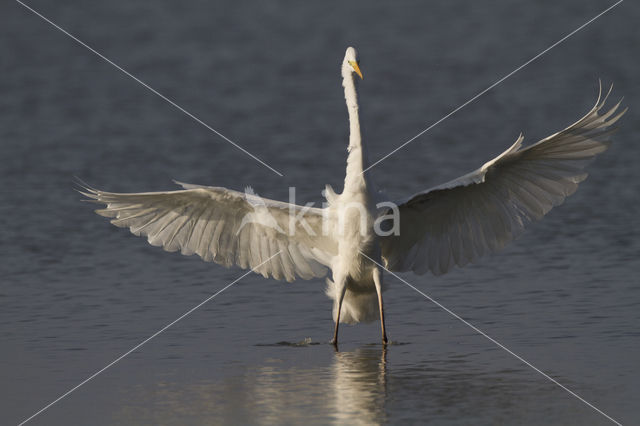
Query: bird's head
{"x": 351, "y": 63}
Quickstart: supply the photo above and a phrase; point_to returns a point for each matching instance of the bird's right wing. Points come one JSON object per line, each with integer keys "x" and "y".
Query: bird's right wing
{"x": 478, "y": 213}
{"x": 276, "y": 239}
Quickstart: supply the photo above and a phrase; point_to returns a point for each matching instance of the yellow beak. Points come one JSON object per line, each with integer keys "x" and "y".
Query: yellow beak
{"x": 356, "y": 68}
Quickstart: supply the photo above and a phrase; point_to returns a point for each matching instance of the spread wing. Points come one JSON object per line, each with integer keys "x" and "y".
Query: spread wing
{"x": 455, "y": 223}
{"x": 227, "y": 227}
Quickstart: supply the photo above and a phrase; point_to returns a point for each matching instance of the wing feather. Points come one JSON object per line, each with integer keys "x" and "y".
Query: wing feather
{"x": 222, "y": 226}
{"x": 480, "y": 212}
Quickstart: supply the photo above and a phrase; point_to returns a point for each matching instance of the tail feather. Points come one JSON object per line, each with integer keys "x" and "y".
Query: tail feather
{"x": 356, "y": 307}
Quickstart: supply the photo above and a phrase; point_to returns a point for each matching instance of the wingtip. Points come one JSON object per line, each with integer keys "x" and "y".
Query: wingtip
{"x": 602, "y": 100}
{"x": 84, "y": 188}
{"x": 615, "y": 118}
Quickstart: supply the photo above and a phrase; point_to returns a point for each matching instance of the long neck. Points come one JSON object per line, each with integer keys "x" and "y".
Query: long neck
{"x": 357, "y": 160}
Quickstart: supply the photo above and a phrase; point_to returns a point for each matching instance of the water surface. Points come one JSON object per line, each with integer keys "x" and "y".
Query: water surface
{"x": 76, "y": 292}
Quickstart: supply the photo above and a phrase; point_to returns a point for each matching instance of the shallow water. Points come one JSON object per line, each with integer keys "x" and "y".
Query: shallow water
{"x": 77, "y": 293}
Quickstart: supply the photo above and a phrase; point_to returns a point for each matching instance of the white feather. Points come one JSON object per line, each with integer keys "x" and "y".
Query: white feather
{"x": 482, "y": 211}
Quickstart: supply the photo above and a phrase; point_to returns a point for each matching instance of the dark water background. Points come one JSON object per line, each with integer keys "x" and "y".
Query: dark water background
{"x": 76, "y": 292}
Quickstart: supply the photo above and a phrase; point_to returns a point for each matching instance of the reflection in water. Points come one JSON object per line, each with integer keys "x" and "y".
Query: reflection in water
{"x": 352, "y": 389}
{"x": 359, "y": 386}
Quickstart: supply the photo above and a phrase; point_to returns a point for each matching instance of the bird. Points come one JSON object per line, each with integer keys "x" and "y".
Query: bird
{"x": 360, "y": 233}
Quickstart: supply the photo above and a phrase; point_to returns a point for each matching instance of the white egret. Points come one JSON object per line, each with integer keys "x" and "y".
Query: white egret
{"x": 451, "y": 224}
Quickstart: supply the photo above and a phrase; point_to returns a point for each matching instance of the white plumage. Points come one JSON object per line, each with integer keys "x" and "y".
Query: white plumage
{"x": 451, "y": 224}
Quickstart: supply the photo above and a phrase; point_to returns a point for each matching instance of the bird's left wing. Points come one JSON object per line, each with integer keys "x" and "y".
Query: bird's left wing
{"x": 481, "y": 212}
{"x": 226, "y": 227}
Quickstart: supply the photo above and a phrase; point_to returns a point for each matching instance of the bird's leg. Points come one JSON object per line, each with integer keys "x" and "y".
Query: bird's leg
{"x": 341, "y": 285}
{"x": 377, "y": 280}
